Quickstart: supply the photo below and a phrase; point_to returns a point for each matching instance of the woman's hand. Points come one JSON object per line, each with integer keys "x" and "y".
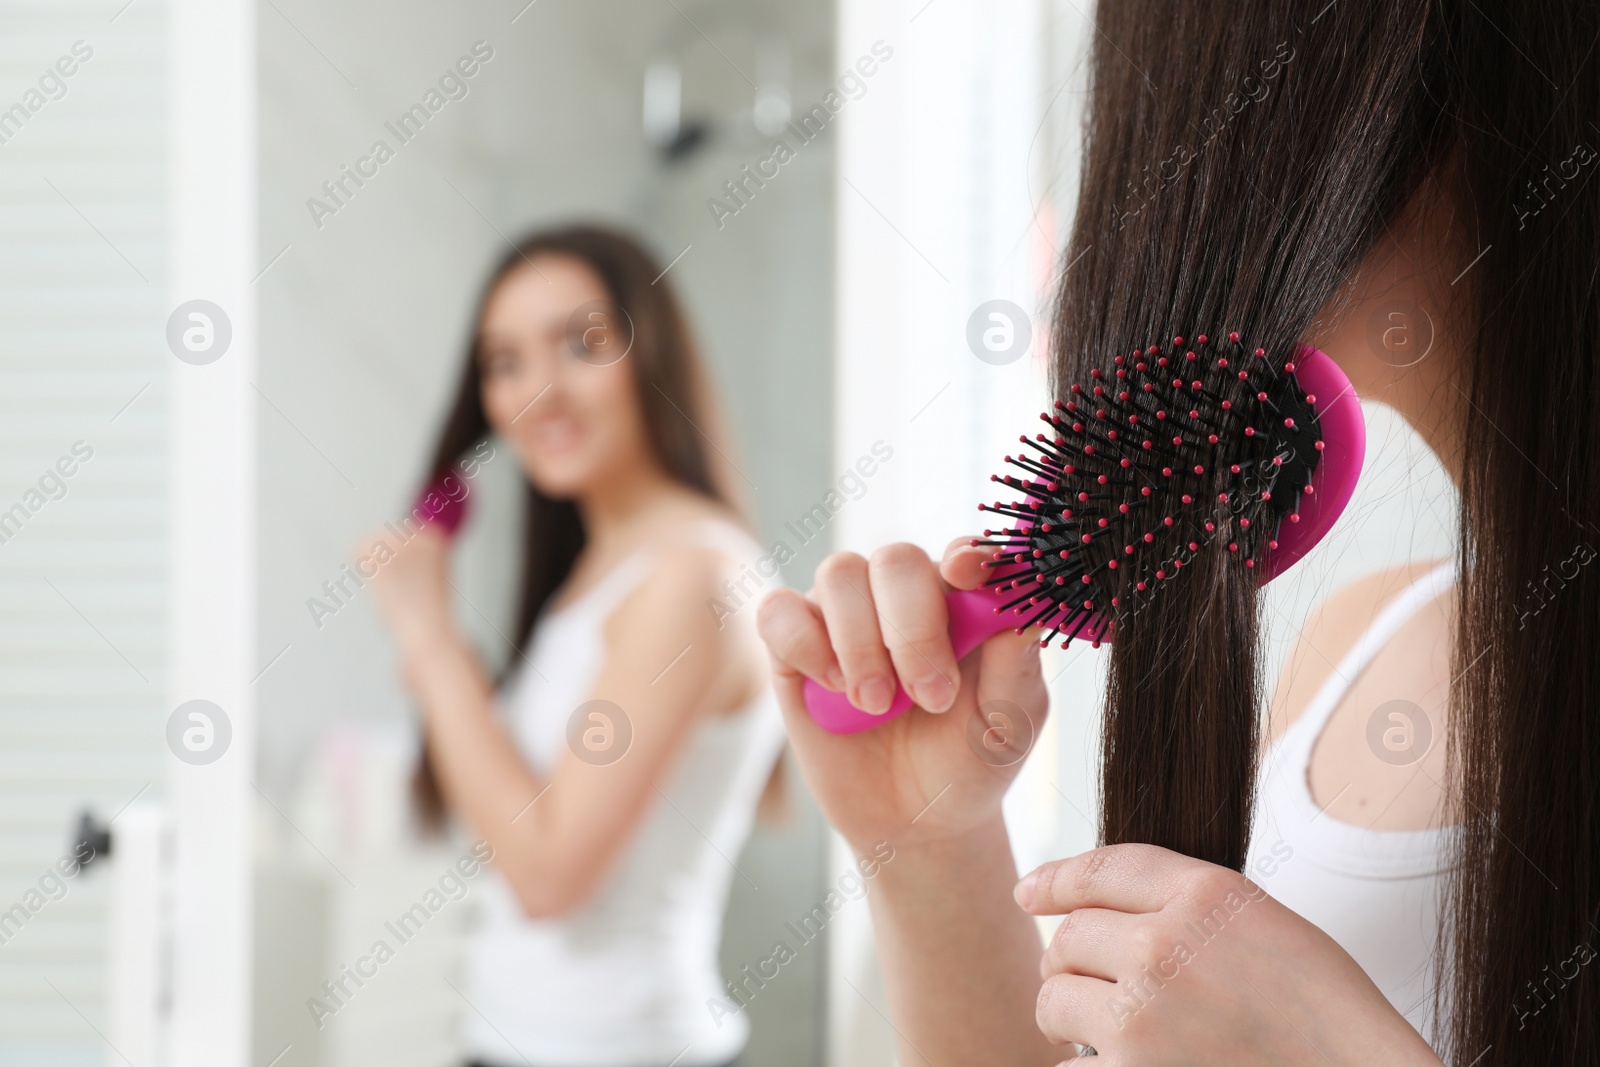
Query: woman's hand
{"x": 939, "y": 770}
{"x": 1163, "y": 959}
{"x": 413, "y": 588}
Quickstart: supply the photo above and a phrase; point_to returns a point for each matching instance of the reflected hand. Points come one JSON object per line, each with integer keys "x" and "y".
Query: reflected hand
{"x": 941, "y": 769}
{"x": 412, "y": 587}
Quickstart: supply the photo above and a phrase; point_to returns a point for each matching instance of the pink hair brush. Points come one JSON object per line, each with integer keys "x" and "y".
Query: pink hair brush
{"x": 438, "y": 506}
{"x": 1179, "y": 450}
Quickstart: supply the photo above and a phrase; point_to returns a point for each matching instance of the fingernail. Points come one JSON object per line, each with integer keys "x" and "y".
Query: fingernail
{"x": 836, "y": 679}
{"x": 1023, "y": 893}
{"x": 875, "y": 695}
{"x": 934, "y": 692}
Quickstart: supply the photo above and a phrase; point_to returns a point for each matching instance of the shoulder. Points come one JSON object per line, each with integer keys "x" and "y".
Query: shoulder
{"x": 1330, "y": 632}
{"x": 689, "y": 569}
{"x": 686, "y": 588}
{"x": 674, "y": 637}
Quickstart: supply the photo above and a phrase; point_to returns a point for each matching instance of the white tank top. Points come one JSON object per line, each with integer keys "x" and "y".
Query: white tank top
{"x": 624, "y": 980}
{"x": 1375, "y": 892}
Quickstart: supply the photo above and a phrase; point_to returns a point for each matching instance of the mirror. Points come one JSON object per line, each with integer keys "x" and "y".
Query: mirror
{"x": 404, "y": 150}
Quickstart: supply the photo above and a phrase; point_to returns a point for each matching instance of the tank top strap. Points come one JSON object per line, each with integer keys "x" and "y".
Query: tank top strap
{"x": 601, "y": 599}
{"x": 1304, "y": 731}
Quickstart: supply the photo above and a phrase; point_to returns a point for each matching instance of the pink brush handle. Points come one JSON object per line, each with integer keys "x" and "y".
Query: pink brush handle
{"x": 972, "y": 622}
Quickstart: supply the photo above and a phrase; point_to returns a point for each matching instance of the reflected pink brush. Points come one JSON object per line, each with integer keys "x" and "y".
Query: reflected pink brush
{"x": 439, "y": 507}
{"x": 1178, "y": 450}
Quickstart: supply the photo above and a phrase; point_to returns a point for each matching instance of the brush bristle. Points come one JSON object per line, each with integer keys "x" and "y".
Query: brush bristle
{"x": 1180, "y": 448}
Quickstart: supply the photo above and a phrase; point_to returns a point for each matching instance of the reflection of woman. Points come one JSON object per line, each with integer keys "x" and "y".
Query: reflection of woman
{"x": 638, "y": 729}
{"x": 1410, "y": 903}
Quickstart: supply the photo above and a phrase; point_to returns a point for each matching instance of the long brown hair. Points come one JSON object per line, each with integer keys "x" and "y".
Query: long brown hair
{"x": 1241, "y": 160}
{"x": 673, "y": 396}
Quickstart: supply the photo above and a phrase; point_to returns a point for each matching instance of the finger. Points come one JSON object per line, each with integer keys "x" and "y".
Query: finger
{"x": 374, "y": 545}
{"x": 962, "y": 565}
{"x": 1130, "y": 878}
{"x": 1077, "y": 1009}
{"x": 789, "y": 687}
{"x": 844, "y": 592}
{"x": 1011, "y": 699}
{"x": 915, "y": 624}
{"x": 794, "y": 632}
{"x": 1095, "y": 943}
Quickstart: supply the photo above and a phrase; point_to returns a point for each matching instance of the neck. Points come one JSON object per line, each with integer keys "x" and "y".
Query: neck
{"x": 1434, "y": 407}
{"x": 1430, "y": 395}
{"x": 1399, "y": 333}
{"x": 613, "y": 506}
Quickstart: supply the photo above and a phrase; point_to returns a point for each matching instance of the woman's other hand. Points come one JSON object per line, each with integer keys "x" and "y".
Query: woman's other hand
{"x": 939, "y": 771}
{"x": 1164, "y": 959}
{"x": 412, "y": 586}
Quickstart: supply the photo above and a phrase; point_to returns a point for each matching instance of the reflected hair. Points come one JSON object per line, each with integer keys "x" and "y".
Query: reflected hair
{"x": 673, "y": 397}
{"x": 1282, "y": 143}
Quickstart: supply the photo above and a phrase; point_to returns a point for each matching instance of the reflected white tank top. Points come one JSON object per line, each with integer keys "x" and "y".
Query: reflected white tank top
{"x": 1377, "y": 893}
{"x": 624, "y": 980}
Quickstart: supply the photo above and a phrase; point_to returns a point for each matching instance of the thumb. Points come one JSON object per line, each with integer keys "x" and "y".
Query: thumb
{"x": 1011, "y": 695}
{"x": 962, "y": 566}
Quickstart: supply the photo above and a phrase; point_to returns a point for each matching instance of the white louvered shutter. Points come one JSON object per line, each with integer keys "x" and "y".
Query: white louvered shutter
{"x": 82, "y": 359}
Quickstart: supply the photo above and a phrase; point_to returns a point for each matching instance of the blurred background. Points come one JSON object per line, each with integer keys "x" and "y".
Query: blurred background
{"x": 201, "y": 150}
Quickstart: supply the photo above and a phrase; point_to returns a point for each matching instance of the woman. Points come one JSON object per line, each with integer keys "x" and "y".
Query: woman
{"x": 617, "y": 781}
{"x": 1322, "y": 173}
